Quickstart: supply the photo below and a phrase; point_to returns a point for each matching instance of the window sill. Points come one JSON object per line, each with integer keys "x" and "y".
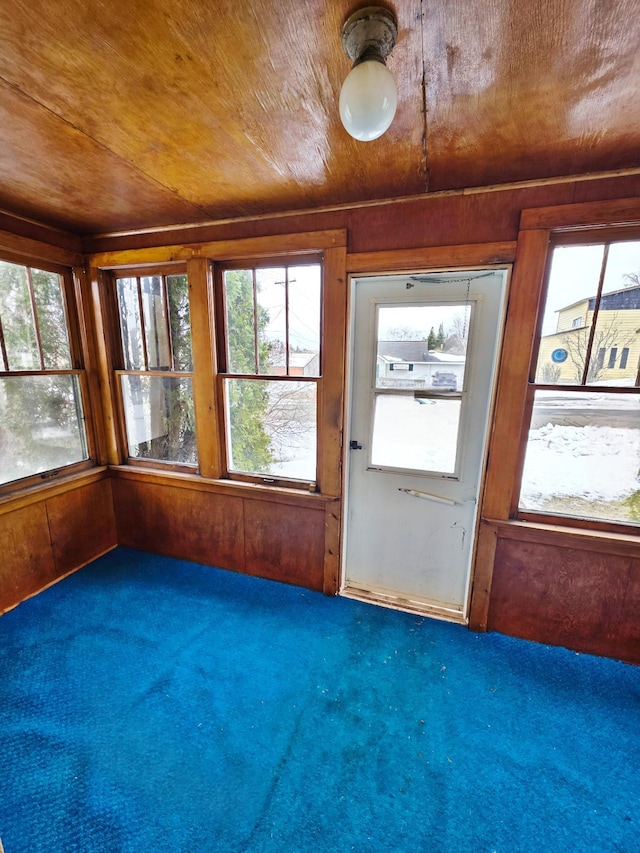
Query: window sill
{"x": 608, "y": 542}
{"x": 235, "y": 488}
{"x": 37, "y": 492}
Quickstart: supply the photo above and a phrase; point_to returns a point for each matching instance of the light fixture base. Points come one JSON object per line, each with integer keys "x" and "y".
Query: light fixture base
{"x": 373, "y": 29}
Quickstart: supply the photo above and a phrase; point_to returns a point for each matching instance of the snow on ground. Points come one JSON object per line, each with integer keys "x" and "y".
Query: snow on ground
{"x": 597, "y": 463}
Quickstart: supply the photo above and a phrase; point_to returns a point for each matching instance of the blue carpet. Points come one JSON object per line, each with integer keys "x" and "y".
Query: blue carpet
{"x": 149, "y": 704}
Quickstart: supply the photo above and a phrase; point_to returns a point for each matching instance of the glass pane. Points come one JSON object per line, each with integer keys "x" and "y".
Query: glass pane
{"x": 616, "y": 341}
{"x": 304, "y": 320}
{"x": 272, "y": 319}
{"x": 573, "y": 285}
{"x": 272, "y": 427}
{"x": 16, "y": 313}
{"x": 241, "y": 343}
{"x": 52, "y": 319}
{"x": 180, "y": 321}
{"x": 41, "y": 425}
{"x": 415, "y": 433}
{"x": 422, "y": 347}
{"x": 583, "y": 456}
{"x": 130, "y": 323}
{"x": 156, "y": 330}
{"x": 159, "y": 418}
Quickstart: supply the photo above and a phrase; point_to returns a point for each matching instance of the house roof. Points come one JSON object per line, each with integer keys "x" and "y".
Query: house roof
{"x": 415, "y": 352}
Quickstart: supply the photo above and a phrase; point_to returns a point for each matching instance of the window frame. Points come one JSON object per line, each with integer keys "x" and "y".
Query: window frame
{"x": 582, "y": 235}
{"x": 223, "y": 374}
{"x": 73, "y": 318}
{"x": 118, "y": 361}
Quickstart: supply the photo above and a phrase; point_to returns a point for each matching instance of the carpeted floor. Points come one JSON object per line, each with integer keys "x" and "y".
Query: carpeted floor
{"x": 149, "y": 704}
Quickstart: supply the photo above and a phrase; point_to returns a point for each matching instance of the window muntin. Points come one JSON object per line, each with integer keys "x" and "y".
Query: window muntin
{"x": 156, "y": 382}
{"x": 582, "y": 455}
{"x": 42, "y": 425}
{"x": 270, "y": 368}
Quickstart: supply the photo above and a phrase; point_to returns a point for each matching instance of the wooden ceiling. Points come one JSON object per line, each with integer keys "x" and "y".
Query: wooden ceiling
{"x": 120, "y": 115}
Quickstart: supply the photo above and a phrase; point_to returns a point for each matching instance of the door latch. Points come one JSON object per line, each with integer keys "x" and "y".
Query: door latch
{"x": 355, "y": 446}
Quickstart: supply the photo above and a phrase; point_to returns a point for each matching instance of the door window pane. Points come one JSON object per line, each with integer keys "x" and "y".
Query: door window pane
{"x": 419, "y": 434}
{"x": 160, "y": 418}
{"x": 422, "y": 347}
{"x": 272, "y": 427}
{"x": 41, "y": 425}
{"x": 583, "y": 456}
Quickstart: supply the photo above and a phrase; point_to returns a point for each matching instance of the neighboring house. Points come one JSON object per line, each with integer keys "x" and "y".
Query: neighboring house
{"x": 300, "y": 364}
{"x": 409, "y": 364}
{"x": 616, "y": 340}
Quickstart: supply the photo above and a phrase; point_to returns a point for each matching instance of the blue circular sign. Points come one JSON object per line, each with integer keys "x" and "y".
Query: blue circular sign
{"x": 559, "y": 355}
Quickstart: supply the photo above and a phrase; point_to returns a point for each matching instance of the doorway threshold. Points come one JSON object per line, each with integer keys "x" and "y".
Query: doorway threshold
{"x": 395, "y": 601}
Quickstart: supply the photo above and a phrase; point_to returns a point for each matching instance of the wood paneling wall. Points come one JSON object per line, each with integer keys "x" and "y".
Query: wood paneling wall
{"x": 555, "y": 587}
{"x": 279, "y": 536}
{"x": 45, "y": 539}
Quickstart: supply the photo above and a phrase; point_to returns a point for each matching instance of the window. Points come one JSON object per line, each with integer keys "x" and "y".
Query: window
{"x": 417, "y": 418}
{"x": 582, "y": 457}
{"x": 576, "y": 322}
{"x": 156, "y": 366}
{"x": 42, "y": 427}
{"x": 270, "y": 367}
{"x": 624, "y": 356}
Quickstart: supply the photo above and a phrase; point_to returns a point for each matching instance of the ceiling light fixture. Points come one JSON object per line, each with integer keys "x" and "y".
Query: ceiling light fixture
{"x": 368, "y": 98}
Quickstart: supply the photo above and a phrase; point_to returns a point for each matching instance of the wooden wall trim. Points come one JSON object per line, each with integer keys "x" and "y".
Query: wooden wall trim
{"x": 31, "y": 249}
{"x": 620, "y": 544}
{"x": 232, "y": 488}
{"x": 35, "y": 494}
{"x": 203, "y": 338}
{"x": 227, "y": 250}
{"x": 407, "y": 260}
{"x": 485, "y": 552}
{"x": 522, "y": 309}
{"x": 594, "y": 214}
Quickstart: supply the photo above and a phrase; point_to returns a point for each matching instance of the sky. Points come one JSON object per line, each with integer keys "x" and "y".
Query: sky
{"x": 575, "y": 272}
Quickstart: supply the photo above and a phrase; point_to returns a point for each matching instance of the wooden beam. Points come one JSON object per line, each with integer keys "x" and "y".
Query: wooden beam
{"x": 409, "y": 260}
{"x": 207, "y": 410}
{"x": 522, "y": 310}
{"x": 102, "y": 322}
{"x": 249, "y": 247}
{"x": 30, "y": 250}
{"x": 591, "y": 214}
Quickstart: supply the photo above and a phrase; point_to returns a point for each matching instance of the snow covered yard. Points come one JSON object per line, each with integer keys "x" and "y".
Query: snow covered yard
{"x": 590, "y": 469}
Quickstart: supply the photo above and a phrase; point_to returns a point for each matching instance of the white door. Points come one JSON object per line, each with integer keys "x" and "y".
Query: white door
{"x": 423, "y": 356}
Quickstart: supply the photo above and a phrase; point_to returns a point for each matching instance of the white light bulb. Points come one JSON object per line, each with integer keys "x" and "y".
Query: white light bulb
{"x": 368, "y": 100}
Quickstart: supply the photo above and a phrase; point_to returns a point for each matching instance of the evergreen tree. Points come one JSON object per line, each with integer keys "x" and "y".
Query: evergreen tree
{"x": 431, "y": 340}
{"x": 248, "y": 400}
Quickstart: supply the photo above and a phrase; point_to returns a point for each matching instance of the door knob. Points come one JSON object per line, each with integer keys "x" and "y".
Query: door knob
{"x": 355, "y": 446}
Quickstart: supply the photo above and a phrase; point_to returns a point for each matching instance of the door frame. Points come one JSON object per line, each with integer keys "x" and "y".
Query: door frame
{"x": 352, "y": 279}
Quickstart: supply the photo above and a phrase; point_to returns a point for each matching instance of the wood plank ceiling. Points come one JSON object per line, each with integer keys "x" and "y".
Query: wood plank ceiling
{"x": 119, "y": 115}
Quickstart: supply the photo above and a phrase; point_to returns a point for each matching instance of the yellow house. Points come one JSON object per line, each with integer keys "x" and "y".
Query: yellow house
{"x": 615, "y": 341}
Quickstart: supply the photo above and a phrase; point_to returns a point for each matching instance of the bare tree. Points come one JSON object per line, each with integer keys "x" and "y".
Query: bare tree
{"x": 404, "y": 333}
{"x": 605, "y": 338}
{"x": 457, "y": 334}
